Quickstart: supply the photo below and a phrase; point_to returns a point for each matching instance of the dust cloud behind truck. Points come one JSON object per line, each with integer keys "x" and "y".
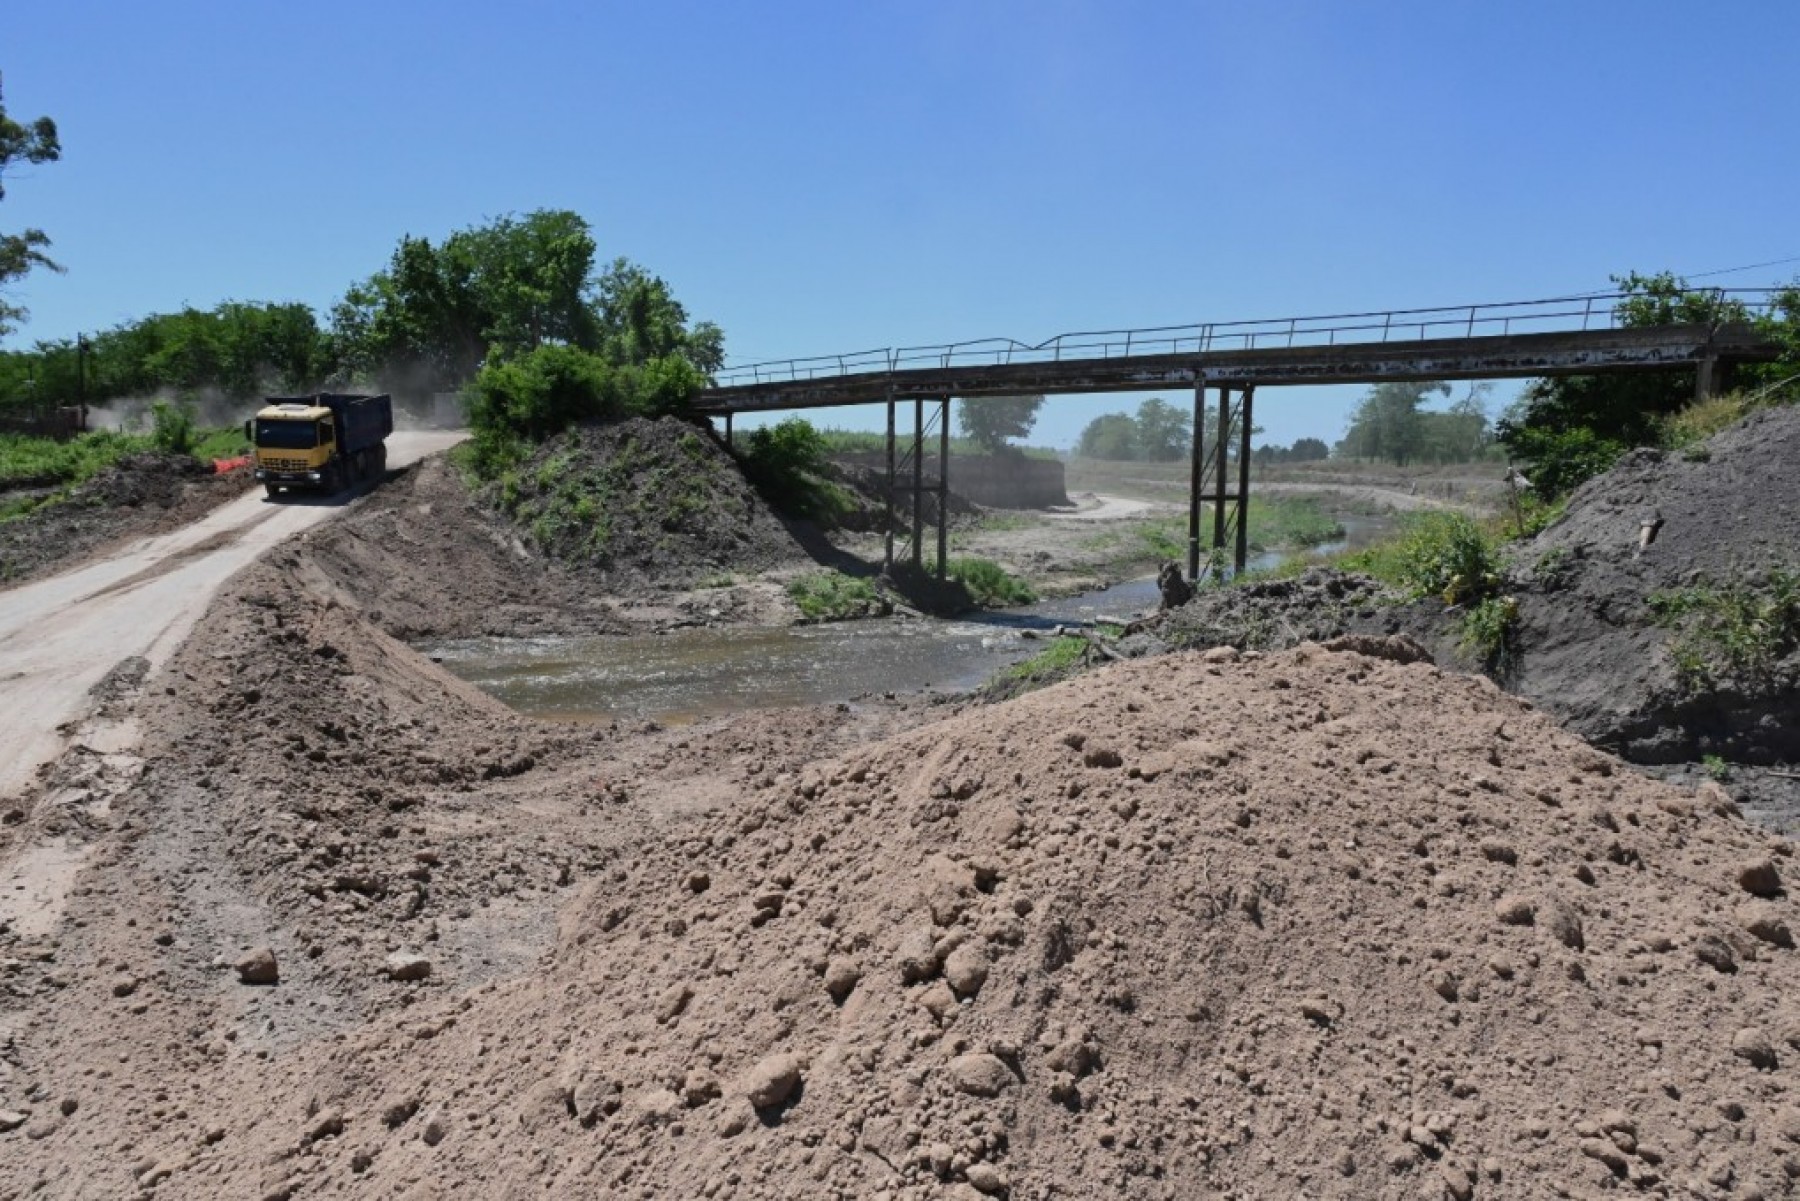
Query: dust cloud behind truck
{"x": 320, "y": 443}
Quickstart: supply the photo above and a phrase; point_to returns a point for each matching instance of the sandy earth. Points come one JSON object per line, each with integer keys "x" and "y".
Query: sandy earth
{"x": 1327, "y": 923}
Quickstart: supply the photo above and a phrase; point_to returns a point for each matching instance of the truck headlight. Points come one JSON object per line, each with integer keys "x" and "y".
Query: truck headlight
{"x": 312, "y": 475}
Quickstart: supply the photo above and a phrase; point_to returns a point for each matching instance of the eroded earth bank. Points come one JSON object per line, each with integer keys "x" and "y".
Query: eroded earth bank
{"x": 1330, "y": 921}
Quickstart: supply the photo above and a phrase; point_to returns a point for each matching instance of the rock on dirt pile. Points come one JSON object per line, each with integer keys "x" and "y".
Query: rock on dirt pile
{"x": 1320, "y": 924}
{"x": 1721, "y": 518}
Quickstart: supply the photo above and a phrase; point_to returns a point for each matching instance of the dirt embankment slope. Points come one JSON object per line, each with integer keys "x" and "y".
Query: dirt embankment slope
{"x": 1590, "y": 647}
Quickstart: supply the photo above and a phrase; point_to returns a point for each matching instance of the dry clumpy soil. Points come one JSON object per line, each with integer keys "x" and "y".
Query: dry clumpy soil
{"x": 1324, "y": 923}
{"x": 140, "y": 496}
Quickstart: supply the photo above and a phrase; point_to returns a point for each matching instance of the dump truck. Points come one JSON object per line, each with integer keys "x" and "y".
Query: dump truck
{"x": 320, "y": 443}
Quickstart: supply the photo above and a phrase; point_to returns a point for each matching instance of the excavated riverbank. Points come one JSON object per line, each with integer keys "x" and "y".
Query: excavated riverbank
{"x": 1329, "y": 922}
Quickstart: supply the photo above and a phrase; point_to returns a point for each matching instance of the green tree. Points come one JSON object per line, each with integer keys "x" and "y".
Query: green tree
{"x": 1571, "y": 427}
{"x": 1164, "y": 432}
{"x": 33, "y": 142}
{"x": 1387, "y": 423}
{"x": 437, "y": 314}
{"x": 1109, "y": 436}
{"x": 991, "y": 420}
{"x": 1309, "y": 450}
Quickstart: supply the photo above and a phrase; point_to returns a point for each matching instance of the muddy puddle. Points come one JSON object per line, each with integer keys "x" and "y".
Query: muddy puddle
{"x": 685, "y": 675}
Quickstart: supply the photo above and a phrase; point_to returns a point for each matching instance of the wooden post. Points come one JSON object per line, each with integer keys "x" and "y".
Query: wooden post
{"x": 1197, "y": 461}
{"x": 892, "y": 485}
{"x": 943, "y": 491}
{"x": 1241, "y": 553}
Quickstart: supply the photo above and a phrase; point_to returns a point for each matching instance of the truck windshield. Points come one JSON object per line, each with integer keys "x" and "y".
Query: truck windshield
{"x": 287, "y": 435}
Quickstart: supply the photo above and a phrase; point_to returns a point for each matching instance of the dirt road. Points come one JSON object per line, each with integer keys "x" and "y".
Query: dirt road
{"x": 60, "y": 636}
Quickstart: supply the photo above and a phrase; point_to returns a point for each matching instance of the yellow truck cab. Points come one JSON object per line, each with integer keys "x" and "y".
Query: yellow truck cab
{"x": 320, "y": 443}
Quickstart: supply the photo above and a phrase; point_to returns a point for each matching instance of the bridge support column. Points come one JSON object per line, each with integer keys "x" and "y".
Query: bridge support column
{"x": 887, "y": 561}
{"x": 918, "y": 487}
{"x": 1220, "y": 496}
{"x": 1242, "y": 550}
{"x": 1707, "y": 378}
{"x": 943, "y": 489}
{"x": 728, "y": 442}
{"x": 1196, "y": 468}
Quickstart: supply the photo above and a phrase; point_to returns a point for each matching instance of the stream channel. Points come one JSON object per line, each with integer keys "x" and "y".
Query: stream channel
{"x": 689, "y": 674}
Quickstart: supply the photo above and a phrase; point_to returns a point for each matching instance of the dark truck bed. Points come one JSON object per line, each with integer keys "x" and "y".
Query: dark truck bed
{"x": 362, "y": 421}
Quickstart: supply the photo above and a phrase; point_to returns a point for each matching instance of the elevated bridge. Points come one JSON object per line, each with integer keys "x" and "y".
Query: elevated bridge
{"x": 1581, "y": 335}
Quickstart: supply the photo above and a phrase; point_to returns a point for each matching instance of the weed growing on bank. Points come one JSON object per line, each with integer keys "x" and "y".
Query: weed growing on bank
{"x": 1734, "y": 631}
{"x": 990, "y": 585}
{"x": 834, "y": 596}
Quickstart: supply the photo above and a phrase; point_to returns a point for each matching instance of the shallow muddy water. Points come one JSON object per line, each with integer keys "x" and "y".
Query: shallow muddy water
{"x": 689, "y": 674}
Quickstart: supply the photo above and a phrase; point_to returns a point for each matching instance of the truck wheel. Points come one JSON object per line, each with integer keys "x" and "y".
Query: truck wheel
{"x": 272, "y": 490}
{"x": 381, "y": 462}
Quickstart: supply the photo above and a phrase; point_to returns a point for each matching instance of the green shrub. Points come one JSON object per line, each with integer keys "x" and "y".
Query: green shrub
{"x": 172, "y": 428}
{"x": 1487, "y": 631}
{"x": 786, "y": 462}
{"x": 515, "y": 403}
{"x": 834, "y": 596}
{"x": 1560, "y": 460}
{"x": 990, "y": 585}
{"x": 1441, "y": 554}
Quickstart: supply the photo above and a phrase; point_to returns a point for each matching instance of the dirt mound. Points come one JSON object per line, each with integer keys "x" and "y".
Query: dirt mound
{"x": 643, "y": 501}
{"x": 1319, "y": 924}
{"x": 140, "y": 496}
{"x": 1723, "y": 518}
{"x": 421, "y": 557}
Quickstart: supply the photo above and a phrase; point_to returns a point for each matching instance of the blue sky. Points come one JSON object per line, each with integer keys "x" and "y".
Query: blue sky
{"x": 832, "y": 176}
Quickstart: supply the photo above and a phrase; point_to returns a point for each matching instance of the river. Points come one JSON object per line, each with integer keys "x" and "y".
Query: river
{"x": 685, "y": 675}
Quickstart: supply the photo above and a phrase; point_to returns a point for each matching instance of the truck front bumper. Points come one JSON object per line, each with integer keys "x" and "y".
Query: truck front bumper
{"x": 264, "y": 476}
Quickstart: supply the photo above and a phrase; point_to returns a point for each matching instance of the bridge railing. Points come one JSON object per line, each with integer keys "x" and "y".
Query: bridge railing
{"x": 1564, "y": 314}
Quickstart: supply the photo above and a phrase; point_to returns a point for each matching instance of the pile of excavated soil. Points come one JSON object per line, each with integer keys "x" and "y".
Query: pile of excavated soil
{"x": 644, "y": 502}
{"x": 421, "y": 557}
{"x": 1318, "y": 924}
{"x": 140, "y": 496}
{"x": 1588, "y": 647}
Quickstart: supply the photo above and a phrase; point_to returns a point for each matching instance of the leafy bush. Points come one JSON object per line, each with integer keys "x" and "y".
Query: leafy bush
{"x": 525, "y": 400}
{"x": 1738, "y": 631}
{"x": 172, "y": 428}
{"x": 1487, "y": 629}
{"x": 1561, "y": 459}
{"x": 834, "y": 596}
{"x": 1446, "y": 555}
{"x": 989, "y": 584}
{"x": 787, "y": 463}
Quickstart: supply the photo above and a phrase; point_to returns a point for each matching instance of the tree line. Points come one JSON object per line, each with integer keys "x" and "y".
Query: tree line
{"x": 426, "y": 323}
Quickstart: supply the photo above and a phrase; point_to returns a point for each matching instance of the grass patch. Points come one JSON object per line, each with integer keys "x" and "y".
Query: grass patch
{"x": 26, "y": 461}
{"x": 990, "y": 585}
{"x": 1279, "y": 522}
{"x": 1052, "y": 663}
{"x": 834, "y": 596}
{"x": 1735, "y": 631}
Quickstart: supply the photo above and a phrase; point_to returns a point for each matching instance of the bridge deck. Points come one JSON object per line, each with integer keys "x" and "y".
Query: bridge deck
{"x": 1578, "y": 352}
